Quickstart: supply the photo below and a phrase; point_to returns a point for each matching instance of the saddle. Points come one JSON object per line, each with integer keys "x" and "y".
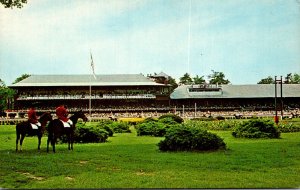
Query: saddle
{"x": 35, "y": 125}
{"x": 69, "y": 123}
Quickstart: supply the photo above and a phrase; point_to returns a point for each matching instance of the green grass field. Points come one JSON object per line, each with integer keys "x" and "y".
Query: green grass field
{"x": 128, "y": 161}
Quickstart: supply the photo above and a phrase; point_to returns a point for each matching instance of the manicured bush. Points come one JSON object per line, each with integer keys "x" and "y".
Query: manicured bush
{"x": 223, "y": 125}
{"x": 120, "y": 127}
{"x": 156, "y": 129}
{"x": 183, "y": 138}
{"x": 256, "y": 128}
{"x": 106, "y": 125}
{"x": 88, "y": 134}
{"x": 149, "y": 119}
{"x": 174, "y": 117}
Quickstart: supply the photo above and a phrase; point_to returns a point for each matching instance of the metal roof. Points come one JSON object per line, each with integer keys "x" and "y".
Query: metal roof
{"x": 86, "y": 80}
{"x": 239, "y": 91}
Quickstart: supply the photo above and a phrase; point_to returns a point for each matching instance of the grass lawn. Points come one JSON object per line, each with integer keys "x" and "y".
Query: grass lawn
{"x": 128, "y": 161}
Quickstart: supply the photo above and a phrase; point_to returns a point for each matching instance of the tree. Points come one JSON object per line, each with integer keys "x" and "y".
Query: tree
{"x": 13, "y": 3}
{"x": 268, "y": 80}
{"x": 289, "y": 79}
{"x": 295, "y": 79}
{"x": 218, "y": 78}
{"x": 186, "y": 79}
{"x": 5, "y": 95}
{"x": 172, "y": 82}
{"x": 24, "y": 76}
{"x": 199, "y": 80}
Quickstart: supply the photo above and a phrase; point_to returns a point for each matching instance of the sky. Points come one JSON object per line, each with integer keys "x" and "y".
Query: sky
{"x": 247, "y": 40}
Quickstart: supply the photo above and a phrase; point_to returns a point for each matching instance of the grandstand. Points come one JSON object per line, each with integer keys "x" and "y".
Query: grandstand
{"x": 108, "y": 92}
{"x": 136, "y": 93}
{"x": 235, "y": 97}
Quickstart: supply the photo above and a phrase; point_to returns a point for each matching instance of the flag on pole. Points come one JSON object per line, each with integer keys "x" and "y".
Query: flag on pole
{"x": 92, "y": 65}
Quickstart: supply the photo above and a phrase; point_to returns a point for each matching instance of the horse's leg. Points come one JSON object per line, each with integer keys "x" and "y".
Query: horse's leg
{"x": 17, "y": 140}
{"x": 72, "y": 139}
{"x": 53, "y": 140}
{"x": 69, "y": 141}
{"x": 39, "y": 141}
{"x": 53, "y": 144}
{"x": 48, "y": 144}
{"x": 21, "y": 141}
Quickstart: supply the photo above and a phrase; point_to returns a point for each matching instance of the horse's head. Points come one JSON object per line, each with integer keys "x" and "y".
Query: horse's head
{"x": 81, "y": 115}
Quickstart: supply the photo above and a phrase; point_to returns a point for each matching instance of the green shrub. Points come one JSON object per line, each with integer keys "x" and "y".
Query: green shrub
{"x": 120, "y": 127}
{"x": 256, "y": 128}
{"x": 156, "y": 129}
{"x": 288, "y": 127}
{"x": 89, "y": 134}
{"x": 183, "y": 138}
{"x": 149, "y": 119}
{"x": 106, "y": 125}
{"x": 223, "y": 125}
{"x": 174, "y": 117}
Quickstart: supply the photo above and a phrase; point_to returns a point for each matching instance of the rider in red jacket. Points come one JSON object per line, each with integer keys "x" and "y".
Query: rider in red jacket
{"x": 32, "y": 117}
{"x": 62, "y": 114}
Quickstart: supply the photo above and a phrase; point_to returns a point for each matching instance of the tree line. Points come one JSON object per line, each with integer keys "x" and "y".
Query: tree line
{"x": 289, "y": 79}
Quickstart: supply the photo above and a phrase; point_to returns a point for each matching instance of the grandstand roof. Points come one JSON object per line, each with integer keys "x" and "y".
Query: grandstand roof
{"x": 239, "y": 91}
{"x": 86, "y": 80}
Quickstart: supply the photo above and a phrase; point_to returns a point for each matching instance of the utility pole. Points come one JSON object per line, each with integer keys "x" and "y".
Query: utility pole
{"x": 281, "y": 105}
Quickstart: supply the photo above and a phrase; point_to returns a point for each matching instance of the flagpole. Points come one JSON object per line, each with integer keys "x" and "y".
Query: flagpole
{"x": 90, "y": 100}
{"x": 90, "y": 97}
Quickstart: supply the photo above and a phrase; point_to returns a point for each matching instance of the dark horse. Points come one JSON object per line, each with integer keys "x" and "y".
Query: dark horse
{"x": 24, "y": 128}
{"x": 56, "y": 129}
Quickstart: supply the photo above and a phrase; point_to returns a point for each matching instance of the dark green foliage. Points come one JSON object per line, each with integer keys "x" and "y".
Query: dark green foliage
{"x": 223, "y": 125}
{"x": 13, "y": 3}
{"x": 89, "y": 134}
{"x": 149, "y": 119}
{"x": 114, "y": 126}
{"x": 106, "y": 125}
{"x": 120, "y": 127}
{"x": 256, "y": 128}
{"x": 156, "y": 129}
{"x": 174, "y": 117}
{"x": 182, "y": 138}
